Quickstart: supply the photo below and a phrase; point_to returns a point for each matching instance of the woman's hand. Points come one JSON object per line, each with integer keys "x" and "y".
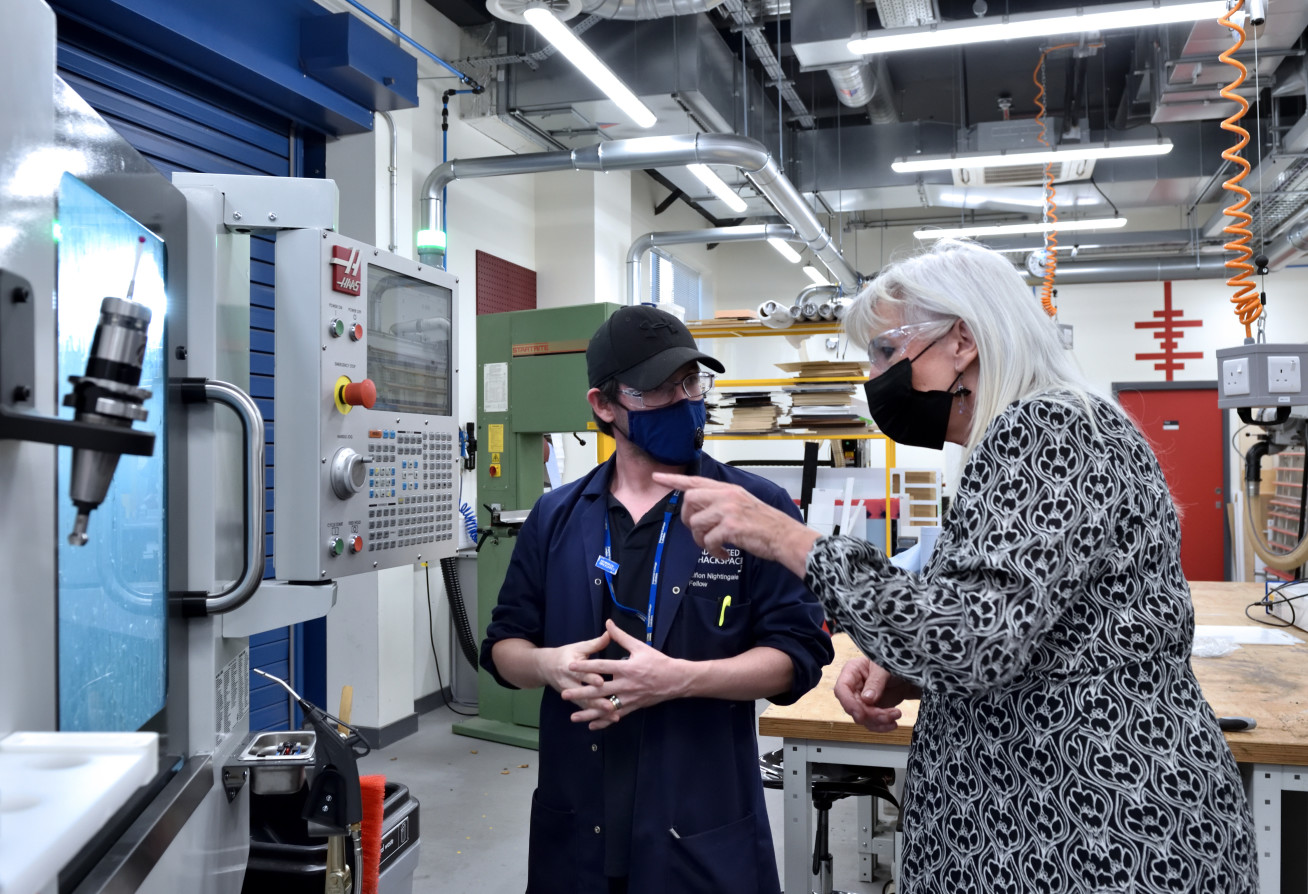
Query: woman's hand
{"x": 869, "y": 694}
{"x": 719, "y": 514}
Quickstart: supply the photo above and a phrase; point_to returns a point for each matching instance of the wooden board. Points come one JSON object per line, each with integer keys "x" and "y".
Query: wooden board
{"x": 1268, "y": 683}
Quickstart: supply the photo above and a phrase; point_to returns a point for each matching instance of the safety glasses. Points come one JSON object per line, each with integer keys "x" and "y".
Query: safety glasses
{"x": 891, "y": 346}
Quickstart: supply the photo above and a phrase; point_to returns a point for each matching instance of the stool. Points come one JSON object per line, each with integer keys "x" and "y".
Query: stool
{"x": 830, "y": 783}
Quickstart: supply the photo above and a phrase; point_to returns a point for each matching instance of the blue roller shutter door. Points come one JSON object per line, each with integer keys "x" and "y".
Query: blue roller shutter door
{"x": 180, "y": 131}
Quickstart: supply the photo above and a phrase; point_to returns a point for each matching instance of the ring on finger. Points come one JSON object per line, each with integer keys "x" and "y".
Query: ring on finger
{"x": 617, "y": 702}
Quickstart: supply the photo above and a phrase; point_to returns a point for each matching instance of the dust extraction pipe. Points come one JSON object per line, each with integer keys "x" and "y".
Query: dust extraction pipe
{"x": 1137, "y": 270}
{"x": 750, "y": 156}
{"x": 755, "y": 233}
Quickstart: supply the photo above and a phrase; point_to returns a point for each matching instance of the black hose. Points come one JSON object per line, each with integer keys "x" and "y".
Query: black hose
{"x": 458, "y": 611}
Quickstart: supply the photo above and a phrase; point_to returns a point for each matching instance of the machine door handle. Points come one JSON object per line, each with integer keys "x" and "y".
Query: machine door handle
{"x": 212, "y": 390}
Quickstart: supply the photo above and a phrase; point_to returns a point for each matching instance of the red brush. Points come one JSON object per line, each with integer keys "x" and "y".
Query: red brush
{"x": 373, "y": 790}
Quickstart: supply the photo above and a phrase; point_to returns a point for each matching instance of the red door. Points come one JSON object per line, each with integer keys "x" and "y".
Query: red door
{"x": 1184, "y": 427}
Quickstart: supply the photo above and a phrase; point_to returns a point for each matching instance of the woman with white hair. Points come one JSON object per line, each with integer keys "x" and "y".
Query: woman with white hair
{"x": 1062, "y": 743}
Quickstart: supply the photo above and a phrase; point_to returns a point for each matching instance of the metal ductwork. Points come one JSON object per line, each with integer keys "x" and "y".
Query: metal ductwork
{"x": 866, "y": 84}
{"x": 750, "y": 156}
{"x": 646, "y": 9}
{"x": 1072, "y": 273}
{"x": 755, "y": 233}
{"x": 1292, "y": 243}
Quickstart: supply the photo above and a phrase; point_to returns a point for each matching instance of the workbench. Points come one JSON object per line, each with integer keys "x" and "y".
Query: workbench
{"x": 1266, "y": 682}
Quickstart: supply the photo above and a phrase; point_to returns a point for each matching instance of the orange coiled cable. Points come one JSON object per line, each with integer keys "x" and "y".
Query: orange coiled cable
{"x": 1248, "y": 306}
{"x": 1051, "y": 207}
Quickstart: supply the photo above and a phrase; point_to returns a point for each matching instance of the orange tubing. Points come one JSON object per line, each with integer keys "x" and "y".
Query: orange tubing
{"x": 1051, "y": 207}
{"x": 1248, "y": 306}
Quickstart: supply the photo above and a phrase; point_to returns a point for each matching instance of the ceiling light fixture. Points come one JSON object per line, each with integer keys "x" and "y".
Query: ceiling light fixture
{"x": 783, "y": 248}
{"x": 718, "y": 186}
{"x": 1062, "y": 226}
{"x": 818, "y": 279}
{"x": 1122, "y": 149}
{"x": 580, "y": 55}
{"x": 1104, "y": 18}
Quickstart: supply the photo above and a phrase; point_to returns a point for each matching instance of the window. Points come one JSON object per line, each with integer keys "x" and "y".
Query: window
{"x": 671, "y": 280}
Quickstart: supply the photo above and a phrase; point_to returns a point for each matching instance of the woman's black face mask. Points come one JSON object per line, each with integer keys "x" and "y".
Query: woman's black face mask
{"x": 907, "y": 416}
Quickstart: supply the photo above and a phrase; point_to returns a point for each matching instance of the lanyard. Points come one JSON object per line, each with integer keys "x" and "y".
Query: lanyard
{"x": 648, "y": 617}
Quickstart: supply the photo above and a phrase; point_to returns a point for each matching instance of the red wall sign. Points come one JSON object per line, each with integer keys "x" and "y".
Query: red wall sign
{"x": 1169, "y": 330}
{"x": 345, "y": 270}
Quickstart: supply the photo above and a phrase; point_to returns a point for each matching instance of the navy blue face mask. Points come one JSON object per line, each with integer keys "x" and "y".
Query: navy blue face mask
{"x": 672, "y": 435}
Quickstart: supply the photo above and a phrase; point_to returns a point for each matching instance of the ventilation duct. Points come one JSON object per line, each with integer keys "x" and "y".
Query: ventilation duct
{"x": 866, "y": 84}
{"x": 750, "y": 156}
{"x": 1293, "y": 243}
{"x": 756, "y": 233}
{"x": 629, "y": 10}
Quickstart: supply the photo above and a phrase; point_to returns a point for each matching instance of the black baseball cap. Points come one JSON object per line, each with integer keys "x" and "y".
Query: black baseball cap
{"x": 642, "y": 346}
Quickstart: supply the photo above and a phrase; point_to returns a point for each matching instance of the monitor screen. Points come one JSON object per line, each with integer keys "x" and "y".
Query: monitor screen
{"x": 409, "y": 354}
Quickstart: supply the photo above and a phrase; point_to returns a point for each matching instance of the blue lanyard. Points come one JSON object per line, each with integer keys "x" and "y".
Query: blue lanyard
{"x": 648, "y": 617}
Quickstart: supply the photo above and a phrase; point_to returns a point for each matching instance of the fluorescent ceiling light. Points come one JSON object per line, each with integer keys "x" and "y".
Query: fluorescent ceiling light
{"x": 589, "y": 64}
{"x": 1122, "y": 149}
{"x": 1104, "y": 18}
{"x": 1063, "y": 226}
{"x": 818, "y": 279}
{"x": 783, "y": 248}
{"x": 718, "y": 186}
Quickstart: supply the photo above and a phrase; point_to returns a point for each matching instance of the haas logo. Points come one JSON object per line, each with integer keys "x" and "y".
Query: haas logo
{"x": 345, "y": 270}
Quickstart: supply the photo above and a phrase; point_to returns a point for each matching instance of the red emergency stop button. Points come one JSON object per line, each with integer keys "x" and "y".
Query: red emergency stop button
{"x": 359, "y": 394}
{"x": 356, "y": 332}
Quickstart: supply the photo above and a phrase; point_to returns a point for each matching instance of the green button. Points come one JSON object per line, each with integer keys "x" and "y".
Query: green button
{"x": 338, "y": 328}
{"x": 338, "y": 546}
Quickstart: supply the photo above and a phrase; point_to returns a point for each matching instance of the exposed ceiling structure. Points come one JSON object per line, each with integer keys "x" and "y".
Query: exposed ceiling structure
{"x": 782, "y": 73}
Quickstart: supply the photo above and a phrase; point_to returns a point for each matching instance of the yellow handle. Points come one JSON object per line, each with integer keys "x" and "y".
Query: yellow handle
{"x": 722, "y": 616}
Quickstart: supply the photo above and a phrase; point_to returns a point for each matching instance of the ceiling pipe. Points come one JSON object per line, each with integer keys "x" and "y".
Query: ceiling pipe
{"x": 1292, "y": 243}
{"x": 750, "y": 156}
{"x": 753, "y": 233}
{"x": 1071, "y": 273}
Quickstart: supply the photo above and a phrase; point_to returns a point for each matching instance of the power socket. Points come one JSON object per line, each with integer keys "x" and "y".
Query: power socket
{"x": 1235, "y": 376}
{"x": 1283, "y": 375}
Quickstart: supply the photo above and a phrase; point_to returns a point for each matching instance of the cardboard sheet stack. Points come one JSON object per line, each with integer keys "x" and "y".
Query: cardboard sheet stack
{"x": 750, "y": 411}
{"x": 825, "y": 407}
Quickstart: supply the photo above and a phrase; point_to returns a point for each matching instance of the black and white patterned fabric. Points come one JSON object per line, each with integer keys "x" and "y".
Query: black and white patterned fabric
{"x": 1063, "y": 743}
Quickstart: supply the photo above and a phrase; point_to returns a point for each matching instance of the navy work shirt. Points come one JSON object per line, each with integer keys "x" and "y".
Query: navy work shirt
{"x": 698, "y": 821}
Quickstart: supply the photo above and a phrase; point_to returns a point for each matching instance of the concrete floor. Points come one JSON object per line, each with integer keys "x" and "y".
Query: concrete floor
{"x": 475, "y": 798}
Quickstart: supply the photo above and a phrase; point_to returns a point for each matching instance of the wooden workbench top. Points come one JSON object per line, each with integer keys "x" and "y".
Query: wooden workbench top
{"x": 1268, "y": 683}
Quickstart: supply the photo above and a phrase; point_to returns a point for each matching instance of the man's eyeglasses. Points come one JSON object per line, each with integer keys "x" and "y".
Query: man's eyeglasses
{"x": 695, "y": 386}
{"x": 889, "y": 347}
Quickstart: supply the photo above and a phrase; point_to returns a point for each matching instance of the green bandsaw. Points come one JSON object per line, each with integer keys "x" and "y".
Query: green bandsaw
{"x": 531, "y": 380}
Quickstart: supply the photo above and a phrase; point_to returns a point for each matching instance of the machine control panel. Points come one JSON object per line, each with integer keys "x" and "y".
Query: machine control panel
{"x": 366, "y": 468}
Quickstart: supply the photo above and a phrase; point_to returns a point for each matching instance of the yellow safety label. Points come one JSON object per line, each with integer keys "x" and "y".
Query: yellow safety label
{"x": 495, "y": 457}
{"x": 495, "y": 438}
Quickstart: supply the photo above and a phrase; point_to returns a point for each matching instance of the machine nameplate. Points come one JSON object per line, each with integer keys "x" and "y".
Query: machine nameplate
{"x": 533, "y": 349}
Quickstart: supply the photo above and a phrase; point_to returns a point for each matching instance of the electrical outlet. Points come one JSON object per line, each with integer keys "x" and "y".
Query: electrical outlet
{"x": 1283, "y": 375}
{"x": 1235, "y": 376}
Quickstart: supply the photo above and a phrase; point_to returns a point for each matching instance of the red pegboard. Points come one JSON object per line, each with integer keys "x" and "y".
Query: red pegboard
{"x": 503, "y": 286}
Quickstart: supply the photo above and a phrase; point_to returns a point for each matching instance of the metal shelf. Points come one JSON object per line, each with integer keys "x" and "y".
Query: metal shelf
{"x": 754, "y": 329}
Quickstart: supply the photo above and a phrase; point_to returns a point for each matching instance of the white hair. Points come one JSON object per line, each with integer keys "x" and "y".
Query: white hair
{"x": 1018, "y": 345}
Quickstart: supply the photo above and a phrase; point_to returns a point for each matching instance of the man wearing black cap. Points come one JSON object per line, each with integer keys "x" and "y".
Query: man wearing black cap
{"x": 649, "y": 780}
